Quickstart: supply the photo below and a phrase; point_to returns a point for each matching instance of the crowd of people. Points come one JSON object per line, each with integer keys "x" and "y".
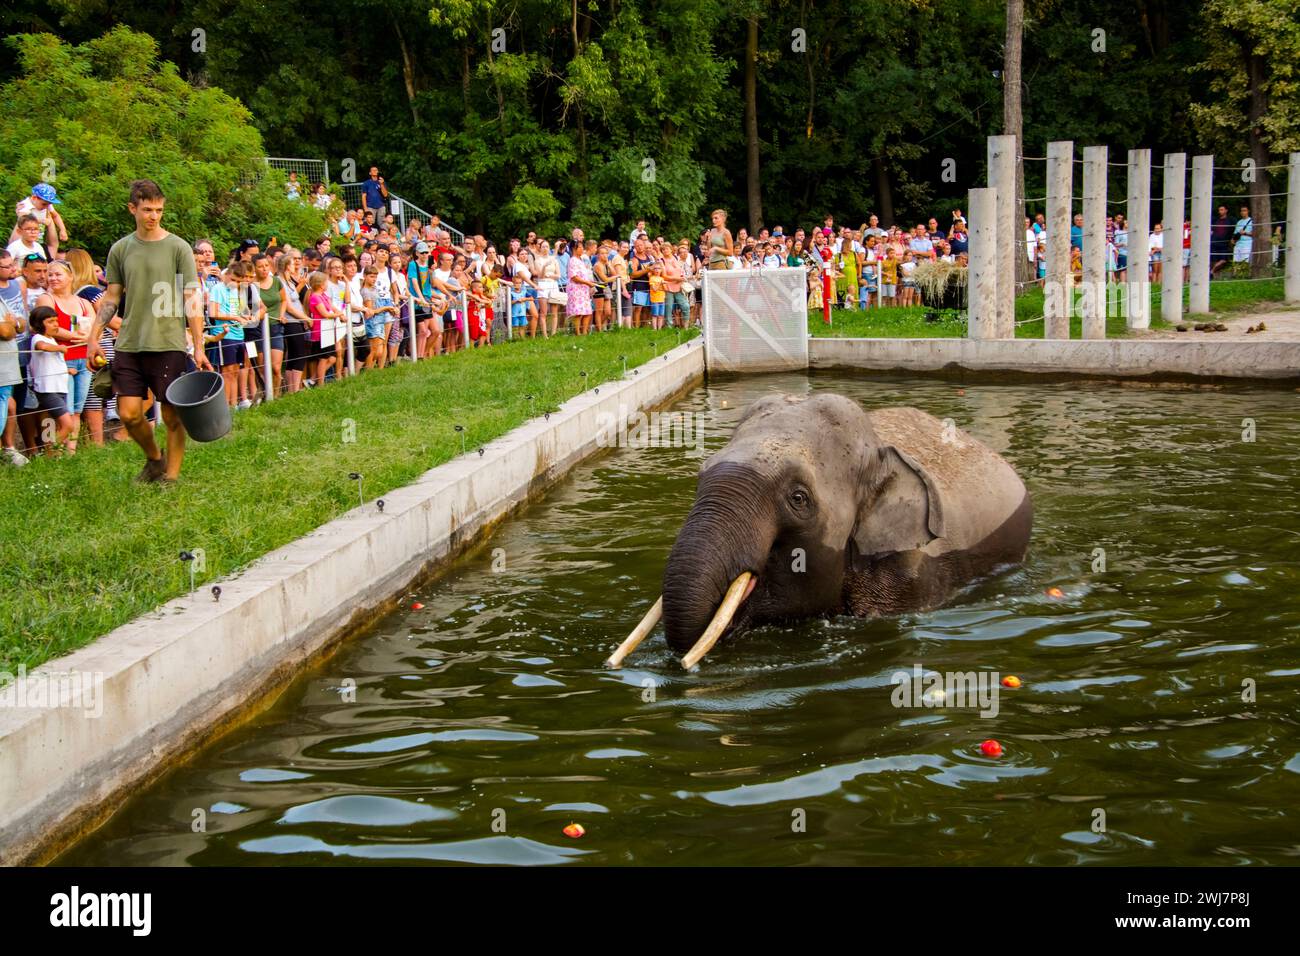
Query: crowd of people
{"x": 274, "y": 319}
{"x": 1230, "y": 242}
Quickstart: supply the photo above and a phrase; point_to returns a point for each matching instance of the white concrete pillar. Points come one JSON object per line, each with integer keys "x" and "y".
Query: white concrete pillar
{"x": 1137, "y": 297}
{"x": 982, "y": 276}
{"x": 1198, "y": 298}
{"x": 1057, "y": 288}
{"x": 1094, "y": 242}
{"x": 1171, "y": 285}
{"x": 1011, "y": 233}
{"x": 1291, "y": 230}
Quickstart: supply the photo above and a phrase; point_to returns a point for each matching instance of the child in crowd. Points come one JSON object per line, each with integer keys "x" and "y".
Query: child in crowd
{"x": 907, "y": 269}
{"x": 658, "y": 295}
{"x": 49, "y": 370}
{"x": 323, "y": 317}
{"x": 224, "y": 337}
{"x": 480, "y": 314}
{"x": 522, "y": 312}
{"x": 378, "y": 312}
{"x": 889, "y": 277}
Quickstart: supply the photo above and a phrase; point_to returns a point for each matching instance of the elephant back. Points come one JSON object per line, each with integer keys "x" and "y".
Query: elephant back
{"x": 978, "y": 491}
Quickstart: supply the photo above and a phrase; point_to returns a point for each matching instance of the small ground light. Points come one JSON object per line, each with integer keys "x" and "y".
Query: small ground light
{"x": 380, "y": 505}
{"x": 623, "y": 359}
{"x": 360, "y": 480}
{"x": 188, "y": 558}
{"x": 216, "y": 592}
{"x": 530, "y": 404}
{"x": 461, "y": 430}
{"x": 583, "y": 376}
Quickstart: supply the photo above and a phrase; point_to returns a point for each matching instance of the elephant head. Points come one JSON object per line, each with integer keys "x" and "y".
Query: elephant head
{"x": 804, "y": 489}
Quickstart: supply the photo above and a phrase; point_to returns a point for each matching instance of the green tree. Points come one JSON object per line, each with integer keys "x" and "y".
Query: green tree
{"x": 98, "y": 115}
{"x": 1251, "y": 104}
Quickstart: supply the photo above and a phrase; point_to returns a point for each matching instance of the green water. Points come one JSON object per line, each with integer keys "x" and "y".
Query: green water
{"x": 484, "y": 723}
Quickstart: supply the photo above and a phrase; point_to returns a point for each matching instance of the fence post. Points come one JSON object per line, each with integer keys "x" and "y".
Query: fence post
{"x": 983, "y": 280}
{"x": 352, "y": 354}
{"x": 1292, "y": 230}
{"x": 410, "y": 324}
{"x": 1058, "y": 297}
{"x": 1198, "y": 299}
{"x": 266, "y": 357}
{"x": 1094, "y": 242}
{"x": 1002, "y": 178}
{"x": 464, "y": 316}
{"x": 1175, "y": 191}
{"x": 1137, "y": 297}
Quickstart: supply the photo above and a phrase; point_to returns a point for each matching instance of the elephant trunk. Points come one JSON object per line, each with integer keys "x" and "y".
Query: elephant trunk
{"x": 726, "y": 534}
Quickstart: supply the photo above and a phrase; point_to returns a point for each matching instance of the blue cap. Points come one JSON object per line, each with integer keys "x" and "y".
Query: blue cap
{"x": 45, "y": 191}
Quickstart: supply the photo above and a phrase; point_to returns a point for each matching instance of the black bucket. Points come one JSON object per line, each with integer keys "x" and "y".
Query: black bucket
{"x": 200, "y": 400}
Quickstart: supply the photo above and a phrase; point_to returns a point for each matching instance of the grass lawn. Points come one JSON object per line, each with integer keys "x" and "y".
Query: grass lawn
{"x": 86, "y": 549}
{"x": 1227, "y": 296}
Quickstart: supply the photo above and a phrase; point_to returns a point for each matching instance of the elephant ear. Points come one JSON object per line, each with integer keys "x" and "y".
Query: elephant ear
{"x": 903, "y": 512}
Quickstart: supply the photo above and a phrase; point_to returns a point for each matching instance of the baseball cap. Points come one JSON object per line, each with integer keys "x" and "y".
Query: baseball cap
{"x": 421, "y": 247}
{"x": 46, "y": 192}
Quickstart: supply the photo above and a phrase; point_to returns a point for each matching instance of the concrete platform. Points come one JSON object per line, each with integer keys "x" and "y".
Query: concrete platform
{"x": 1205, "y": 357}
{"x": 170, "y": 681}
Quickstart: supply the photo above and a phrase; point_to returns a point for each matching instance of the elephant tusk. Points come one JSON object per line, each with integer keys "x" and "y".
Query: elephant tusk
{"x": 638, "y": 634}
{"x": 726, "y": 610}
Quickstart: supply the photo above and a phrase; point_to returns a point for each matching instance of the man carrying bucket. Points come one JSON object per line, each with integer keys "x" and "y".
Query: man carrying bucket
{"x": 152, "y": 273}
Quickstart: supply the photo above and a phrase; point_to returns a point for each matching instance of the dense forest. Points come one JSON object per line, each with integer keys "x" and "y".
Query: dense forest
{"x": 506, "y": 114}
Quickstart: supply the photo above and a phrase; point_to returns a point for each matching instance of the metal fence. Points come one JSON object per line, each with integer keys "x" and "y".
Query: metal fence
{"x": 309, "y": 170}
{"x": 403, "y": 210}
{"x": 756, "y": 318}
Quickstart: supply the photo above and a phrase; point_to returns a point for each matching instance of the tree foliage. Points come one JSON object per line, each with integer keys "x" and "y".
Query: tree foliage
{"x": 98, "y": 115}
{"x": 510, "y": 114}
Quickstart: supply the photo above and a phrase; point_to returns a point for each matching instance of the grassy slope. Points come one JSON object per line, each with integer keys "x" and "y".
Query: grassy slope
{"x": 1226, "y": 297}
{"x": 85, "y": 549}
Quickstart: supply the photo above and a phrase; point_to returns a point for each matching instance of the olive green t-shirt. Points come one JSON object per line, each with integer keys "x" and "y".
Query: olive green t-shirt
{"x": 154, "y": 276}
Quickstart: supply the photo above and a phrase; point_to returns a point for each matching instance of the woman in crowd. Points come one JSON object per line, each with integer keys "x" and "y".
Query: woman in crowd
{"x": 294, "y": 318}
{"x": 87, "y": 287}
{"x": 75, "y": 318}
{"x": 272, "y": 293}
{"x": 546, "y": 269}
{"x": 721, "y": 246}
{"x": 579, "y": 288}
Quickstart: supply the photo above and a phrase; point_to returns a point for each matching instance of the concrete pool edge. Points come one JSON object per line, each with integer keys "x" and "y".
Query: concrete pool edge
{"x": 174, "y": 679}
{"x": 1271, "y": 362}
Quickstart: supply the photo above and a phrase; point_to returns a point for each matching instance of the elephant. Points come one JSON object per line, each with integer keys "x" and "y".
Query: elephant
{"x": 817, "y": 507}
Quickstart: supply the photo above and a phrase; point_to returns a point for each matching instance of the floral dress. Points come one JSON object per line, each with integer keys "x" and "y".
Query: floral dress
{"x": 579, "y": 294}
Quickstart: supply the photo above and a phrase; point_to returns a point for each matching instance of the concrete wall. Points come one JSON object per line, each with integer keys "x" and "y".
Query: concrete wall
{"x": 173, "y": 679}
{"x": 1110, "y": 358}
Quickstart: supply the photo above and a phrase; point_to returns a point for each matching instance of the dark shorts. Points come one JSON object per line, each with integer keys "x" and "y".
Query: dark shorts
{"x": 55, "y": 403}
{"x": 295, "y": 346}
{"x": 135, "y": 374}
{"x": 278, "y": 329}
{"x": 224, "y": 353}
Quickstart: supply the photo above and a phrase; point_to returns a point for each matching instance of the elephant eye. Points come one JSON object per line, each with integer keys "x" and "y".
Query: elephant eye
{"x": 799, "y": 497}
